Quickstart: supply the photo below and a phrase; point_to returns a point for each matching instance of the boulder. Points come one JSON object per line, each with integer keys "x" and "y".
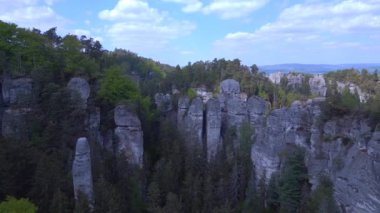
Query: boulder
{"x": 82, "y": 173}
{"x": 81, "y": 87}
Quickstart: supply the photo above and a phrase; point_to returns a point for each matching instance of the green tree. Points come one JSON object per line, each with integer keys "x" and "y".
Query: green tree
{"x": 116, "y": 87}
{"x": 13, "y": 205}
{"x": 292, "y": 180}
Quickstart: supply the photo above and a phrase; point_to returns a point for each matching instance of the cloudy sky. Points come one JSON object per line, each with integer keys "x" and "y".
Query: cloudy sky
{"x": 178, "y": 31}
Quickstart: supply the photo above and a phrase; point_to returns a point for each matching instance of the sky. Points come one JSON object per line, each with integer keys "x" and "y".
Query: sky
{"x": 175, "y": 32}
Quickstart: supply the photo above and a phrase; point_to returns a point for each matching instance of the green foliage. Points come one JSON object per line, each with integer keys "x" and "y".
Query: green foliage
{"x": 13, "y": 205}
{"x": 116, "y": 87}
{"x": 292, "y": 180}
{"x": 191, "y": 94}
{"x": 322, "y": 198}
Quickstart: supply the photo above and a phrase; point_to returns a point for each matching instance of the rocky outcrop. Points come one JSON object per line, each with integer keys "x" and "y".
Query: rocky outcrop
{"x": 213, "y": 127}
{"x": 230, "y": 87}
{"x": 257, "y": 109}
{"x": 82, "y": 88}
{"x": 17, "y": 91}
{"x": 203, "y": 94}
{"x": 163, "y": 102}
{"x": 276, "y": 77}
{"x": 129, "y": 143}
{"x": 354, "y": 89}
{"x": 82, "y": 172}
{"x": 295, "y": 80}
{"x": 318, "y": 85}
{"x": 190, "y": 120}
{"x": 344, "y": 149}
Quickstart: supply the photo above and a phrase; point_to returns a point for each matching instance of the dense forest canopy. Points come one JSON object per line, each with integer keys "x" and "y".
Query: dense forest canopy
{"x": 173, "y": 179}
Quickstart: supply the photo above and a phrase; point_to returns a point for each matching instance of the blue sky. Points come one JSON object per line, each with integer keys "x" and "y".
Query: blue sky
{"x": 178, "y": 31}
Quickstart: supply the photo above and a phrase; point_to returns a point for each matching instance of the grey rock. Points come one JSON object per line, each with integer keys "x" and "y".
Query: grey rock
{"x": 124, "y": 117}
{"x": 213, "y": 127}
{"x": 163, "y": 102}
{"x": 257, "y": 109}
{"x": 230, "y": 87}
{"x": 129, "y": 135}
{"x": 276, "y": 77}
{"x": 195, "y": 121}
{"x": 318, "y": 85}
{"x": 190, "y": 121}
{"x": 82, "y": 88}
{"x": 203, "y": 93}
{"x": 295, "y": 79}
{"x": 344, "y": 149}
{"x": 17, "y": 91}
{"x": 82, "y": 172}
{"x": 236, "y": 112}
{"x": 130, "y": 144}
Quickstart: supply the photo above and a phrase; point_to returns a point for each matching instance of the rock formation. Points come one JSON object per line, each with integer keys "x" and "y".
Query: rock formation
{"x": 190, "y": 120}
{"x": 276, "y": 77}
{"x": 163, "y": 102}
{"x": 129, "y": 135}
{"x": 345, "y": 149}
{"x": 82, "y": 88}
{"x": 82, "y": 173}
{"x": 318, "y": 85}
{"x": 17, "y": 91}
{"x": 213, "y": 127}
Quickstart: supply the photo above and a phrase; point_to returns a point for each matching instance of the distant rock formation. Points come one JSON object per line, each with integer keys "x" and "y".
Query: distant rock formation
{"x": 318, "y": 85}
{"x": 129, "y": 135}
{"x": 82, "y": 172}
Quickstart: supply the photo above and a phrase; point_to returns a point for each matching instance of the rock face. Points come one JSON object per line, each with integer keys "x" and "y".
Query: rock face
{"x": 213, "y": 127}
{"x": 295, "y": 79}
{"x": 129, "y": 135}
{"x": 163, "y": 102}
{"x": 318, "y": 85}
{"x": 82, "y": 88}
{"x": 230, "y": 87}
{"x": 276, "y": 77}
{"x": 354, "y": 89}
{"x": 17, "y": 91}
{"x": 345, "y": 149}
{"x": 190, "y": 120}
{"x": 82, "y": 173}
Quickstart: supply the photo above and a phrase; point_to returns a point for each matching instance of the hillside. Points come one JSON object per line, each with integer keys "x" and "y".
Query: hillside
{"x": 84, "y": 129}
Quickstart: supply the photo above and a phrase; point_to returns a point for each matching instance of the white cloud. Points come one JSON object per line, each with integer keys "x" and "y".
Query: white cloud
{"x": 190, "y": 5}
{"x": 228, "y": 9}
{"x": 225, "y": 9}
{"x": 30, "y": 13}
{"x": 310, "y": 26}
{"x": 139, "y": 27}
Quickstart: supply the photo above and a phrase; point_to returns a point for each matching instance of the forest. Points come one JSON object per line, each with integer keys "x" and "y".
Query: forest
{"x": 35, "y": 171}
